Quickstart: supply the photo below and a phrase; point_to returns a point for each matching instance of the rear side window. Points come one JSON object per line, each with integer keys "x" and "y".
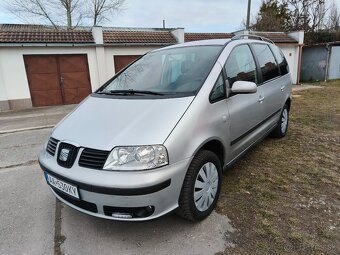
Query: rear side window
{"x": 283, "y": 65}
{"x": 240, "y": 65}
{"x": 267, "y": 62}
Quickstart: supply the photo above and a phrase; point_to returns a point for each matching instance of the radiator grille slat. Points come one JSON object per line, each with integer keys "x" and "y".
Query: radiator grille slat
{"x": 52, "y": 146}
{"x": 89, "y": 158}
{"x": 92, "y": 158}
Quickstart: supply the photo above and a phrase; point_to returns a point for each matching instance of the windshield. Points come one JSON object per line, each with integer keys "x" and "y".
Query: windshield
{"x": 169, "y": 71}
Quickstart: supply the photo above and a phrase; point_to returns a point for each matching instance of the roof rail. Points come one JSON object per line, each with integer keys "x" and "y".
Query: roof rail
{"x": 250, "y": 36}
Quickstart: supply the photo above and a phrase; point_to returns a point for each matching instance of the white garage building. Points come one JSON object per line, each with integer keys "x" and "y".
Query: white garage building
{"x": 41, "y": 66}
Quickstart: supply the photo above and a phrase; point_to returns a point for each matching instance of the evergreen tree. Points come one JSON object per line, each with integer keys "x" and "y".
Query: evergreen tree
{"x": 273, "y": 16}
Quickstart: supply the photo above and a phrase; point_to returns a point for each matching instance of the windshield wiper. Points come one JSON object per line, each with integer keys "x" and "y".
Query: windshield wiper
{"x": 131, "y": 92}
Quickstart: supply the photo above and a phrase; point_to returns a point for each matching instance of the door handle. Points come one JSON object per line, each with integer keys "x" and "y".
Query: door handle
{"x": 261, "y": 98}
{"x": 61, "y": 80}
{"x": 283, "y": 88}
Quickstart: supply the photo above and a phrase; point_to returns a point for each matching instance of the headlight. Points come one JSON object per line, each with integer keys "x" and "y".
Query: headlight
{"x": 137, "y": 158}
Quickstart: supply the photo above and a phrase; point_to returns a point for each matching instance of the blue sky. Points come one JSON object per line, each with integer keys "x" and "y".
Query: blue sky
{"x": 193, "y": 15}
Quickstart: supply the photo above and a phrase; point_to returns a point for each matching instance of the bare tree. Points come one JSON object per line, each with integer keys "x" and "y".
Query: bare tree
{"x": 73, "y": 9}
{"x": 26, "y": 9}
{"x": 333, "y": 22}
{"x": 99, "y": 10}
{"x": 299, "y": 14}
{"x": 317, "y": 12}
{"x": 307, "y": 15}
{"x": 64, "y": 12}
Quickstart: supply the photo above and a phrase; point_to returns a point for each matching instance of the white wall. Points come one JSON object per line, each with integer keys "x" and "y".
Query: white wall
{"x": 3, "y": 90}
{"x": 14, "y": 72}
{"x": 13, "y": 80}
{"x": 292, "y": 55}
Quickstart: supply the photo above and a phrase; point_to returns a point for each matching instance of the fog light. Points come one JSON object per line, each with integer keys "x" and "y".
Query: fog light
{"x": 122, "y": 215}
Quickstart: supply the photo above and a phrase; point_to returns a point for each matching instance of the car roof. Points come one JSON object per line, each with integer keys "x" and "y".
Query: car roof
{"x": 211, "y": 42}
{"x": 205, "y": 42}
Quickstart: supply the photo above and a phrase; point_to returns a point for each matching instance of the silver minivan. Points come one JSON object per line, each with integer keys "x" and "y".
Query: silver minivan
{"x": 157, "y": 136}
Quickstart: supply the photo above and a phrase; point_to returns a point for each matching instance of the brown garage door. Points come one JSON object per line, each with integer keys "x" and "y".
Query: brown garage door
{"x": 57, "y": 79}
{"x": 123, "y": 61}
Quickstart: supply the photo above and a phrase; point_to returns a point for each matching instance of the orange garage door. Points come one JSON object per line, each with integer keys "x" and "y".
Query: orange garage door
{"x": 57, "y": 79}
{"x": 123, "y": 61}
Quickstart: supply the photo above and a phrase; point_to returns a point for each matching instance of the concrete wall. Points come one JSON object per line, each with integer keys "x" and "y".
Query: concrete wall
{"x": 4, "y": 104}
{"x": 14, "y": 88}
{"x": 13, "y": 70}
{"x": 334, "y": 63}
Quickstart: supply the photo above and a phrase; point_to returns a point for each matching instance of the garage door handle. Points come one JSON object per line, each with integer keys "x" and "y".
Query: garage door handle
{"x": 61, "y": 80}
{"x": 261, "y": 98}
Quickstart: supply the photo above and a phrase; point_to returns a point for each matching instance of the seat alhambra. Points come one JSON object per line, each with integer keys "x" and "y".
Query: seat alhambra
{"x": 156, "y": 137}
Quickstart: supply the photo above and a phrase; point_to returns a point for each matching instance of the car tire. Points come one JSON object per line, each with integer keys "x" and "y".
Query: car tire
{"x": 199, "y": 196}
{"x": 282, "y": 125}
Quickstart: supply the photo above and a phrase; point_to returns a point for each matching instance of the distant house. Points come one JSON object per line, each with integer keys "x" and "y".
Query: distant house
{"x": 321, "y": 62}
{"x": 41, "y": 66}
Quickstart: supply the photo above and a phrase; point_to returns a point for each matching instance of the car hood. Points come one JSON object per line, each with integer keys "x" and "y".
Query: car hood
{"x": 103, "y": 123}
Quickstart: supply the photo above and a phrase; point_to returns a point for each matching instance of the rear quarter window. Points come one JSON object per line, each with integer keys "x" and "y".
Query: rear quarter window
{"x": 267, "y": 62}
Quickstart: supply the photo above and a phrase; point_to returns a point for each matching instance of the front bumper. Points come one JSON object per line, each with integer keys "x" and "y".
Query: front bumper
{"x": 156, "y": 190}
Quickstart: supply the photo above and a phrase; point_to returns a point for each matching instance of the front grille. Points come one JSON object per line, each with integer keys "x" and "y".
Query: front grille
{"x": 67, "y": 154}
{"x": 91, "y": 207}
{"x": 52, "y": 146}
{"x": 91, "y": 158}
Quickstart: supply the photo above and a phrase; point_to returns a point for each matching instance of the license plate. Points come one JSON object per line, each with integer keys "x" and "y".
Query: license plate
{"x": 62, "y": 186}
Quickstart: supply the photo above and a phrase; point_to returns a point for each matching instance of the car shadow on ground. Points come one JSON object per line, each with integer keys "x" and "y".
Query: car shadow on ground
{"x": 168, "y": 234}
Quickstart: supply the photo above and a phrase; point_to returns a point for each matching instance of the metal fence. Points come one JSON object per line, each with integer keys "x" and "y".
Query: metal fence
{"x": 320, "y": 62}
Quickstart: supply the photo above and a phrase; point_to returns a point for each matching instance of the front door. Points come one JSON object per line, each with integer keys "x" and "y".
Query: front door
{"x": 245, "y": 110}
{"x": 74, "y": 78}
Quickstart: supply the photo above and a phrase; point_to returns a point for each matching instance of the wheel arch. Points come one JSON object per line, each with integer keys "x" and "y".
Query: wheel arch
{"x": 288, "y": 103}
{"x": 216, "y": 146}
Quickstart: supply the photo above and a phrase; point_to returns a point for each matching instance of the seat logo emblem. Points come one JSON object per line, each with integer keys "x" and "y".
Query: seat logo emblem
{"x": 64, "y": 154}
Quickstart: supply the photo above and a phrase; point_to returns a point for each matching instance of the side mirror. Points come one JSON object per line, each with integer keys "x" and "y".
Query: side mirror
{"x": 243, "y": 87}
